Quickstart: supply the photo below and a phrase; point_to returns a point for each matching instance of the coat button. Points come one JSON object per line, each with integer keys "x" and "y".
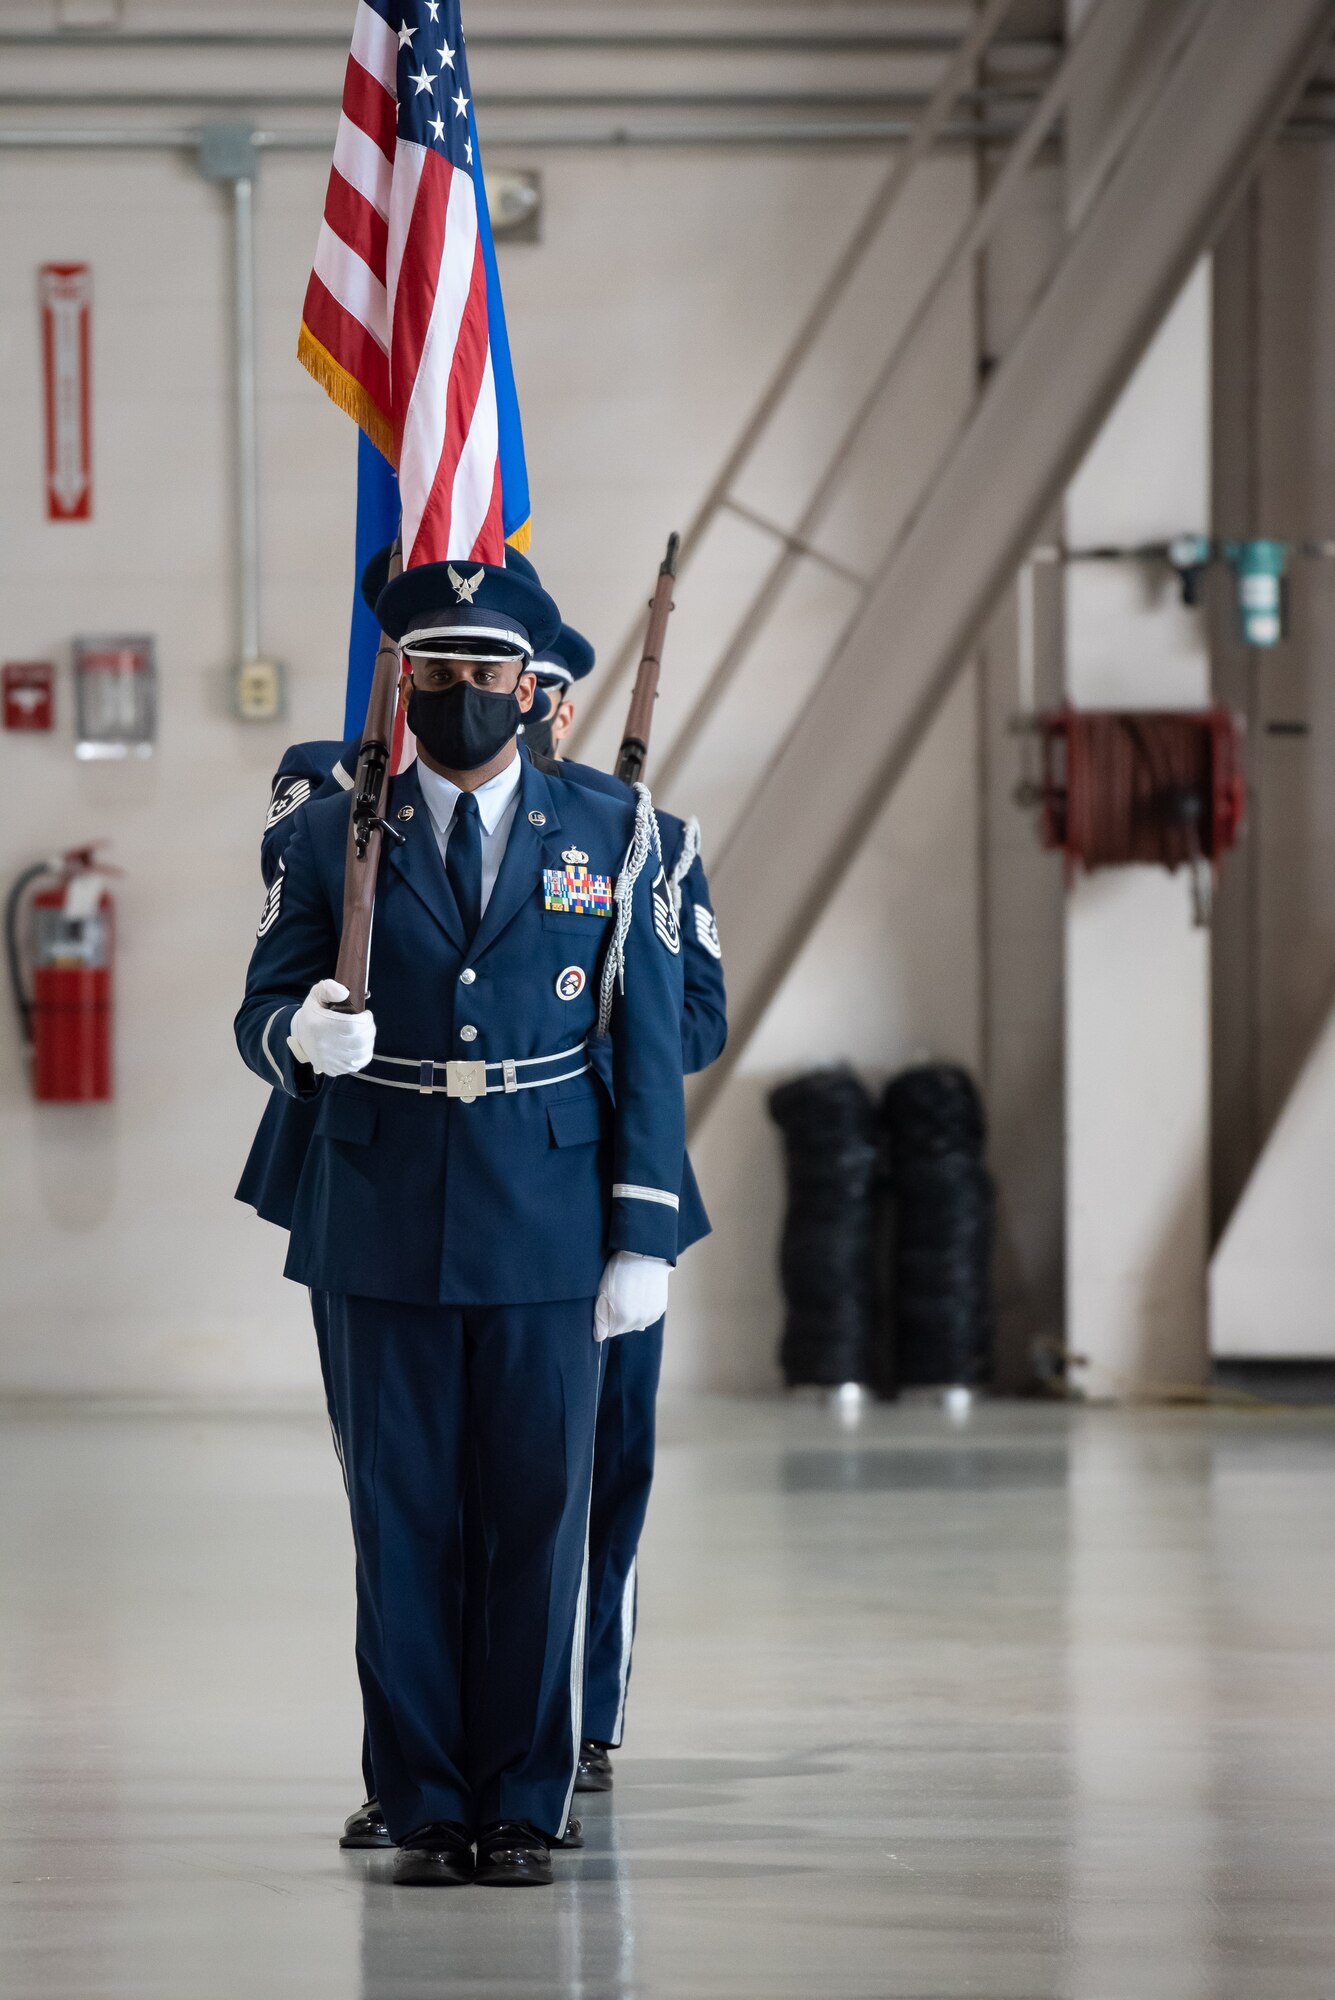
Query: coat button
{"x": 467, "y": 976}
{"x": 468, "y": 1034}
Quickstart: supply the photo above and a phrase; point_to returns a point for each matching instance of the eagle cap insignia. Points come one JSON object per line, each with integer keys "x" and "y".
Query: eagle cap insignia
{"x": 465, "y": 587}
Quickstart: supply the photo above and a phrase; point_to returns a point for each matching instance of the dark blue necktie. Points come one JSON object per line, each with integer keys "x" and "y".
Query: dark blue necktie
{"x": 463, "y": 862}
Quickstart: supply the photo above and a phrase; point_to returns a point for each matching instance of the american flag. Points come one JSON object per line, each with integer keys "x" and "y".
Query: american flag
{"x": 403, "y": 323}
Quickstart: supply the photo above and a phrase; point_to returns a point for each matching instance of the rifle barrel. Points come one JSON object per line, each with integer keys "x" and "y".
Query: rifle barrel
{"x": 365, "y": 838}
{"x": 634, "y": 752}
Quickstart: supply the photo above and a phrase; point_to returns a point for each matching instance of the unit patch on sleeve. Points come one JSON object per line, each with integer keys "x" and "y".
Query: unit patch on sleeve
{"x": 665, "y": 916}
{"x": 288, "y": 794}
{"x": 273, "y": 902}
{"x": 706, "y": 930}
{"x": 572, "y": 892}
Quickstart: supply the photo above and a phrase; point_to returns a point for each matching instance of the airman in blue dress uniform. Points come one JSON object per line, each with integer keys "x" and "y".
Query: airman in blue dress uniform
{"x": 521, "y": 1062}
{"x": 624, "y": 1455}
{"x": 627, "y": 1406}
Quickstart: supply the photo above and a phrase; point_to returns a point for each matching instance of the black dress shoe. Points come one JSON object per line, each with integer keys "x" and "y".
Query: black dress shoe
{"x": 595, "y": 1767}
{"x": 366, "y": 1828}
{"x": 573, "y": 1835}
{"x": 511, "y": 1854}
{"x": 435, "y": 1857}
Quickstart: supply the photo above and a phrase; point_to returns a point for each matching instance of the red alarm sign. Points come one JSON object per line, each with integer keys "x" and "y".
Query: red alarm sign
{"x": 29, "y": 694}
{"x": 66, "y": 294}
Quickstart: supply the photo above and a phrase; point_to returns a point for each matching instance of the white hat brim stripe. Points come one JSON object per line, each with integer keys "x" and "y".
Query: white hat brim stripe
{"x": 507, "y": 635}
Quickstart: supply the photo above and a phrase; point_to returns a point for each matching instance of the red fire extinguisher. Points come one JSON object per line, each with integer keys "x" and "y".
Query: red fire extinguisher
{"x": 64, "y": 995}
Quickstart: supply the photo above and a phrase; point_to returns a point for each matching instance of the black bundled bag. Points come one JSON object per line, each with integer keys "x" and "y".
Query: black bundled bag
{"x": 828, "y": 1122}
{"x": 941, "y": 1230}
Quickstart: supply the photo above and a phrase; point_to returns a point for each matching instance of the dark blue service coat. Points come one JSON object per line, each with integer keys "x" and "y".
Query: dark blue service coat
{"x": 704, "y": 1019}
{"x": 520, "y": 1196}
{"x": 324, "y": 770}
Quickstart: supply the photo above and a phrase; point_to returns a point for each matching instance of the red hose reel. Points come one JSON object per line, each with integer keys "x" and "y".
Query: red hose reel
{"x": 1160, "y": 787}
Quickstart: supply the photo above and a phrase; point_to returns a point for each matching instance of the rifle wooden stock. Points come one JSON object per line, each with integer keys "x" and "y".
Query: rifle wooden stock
{"x": 634, "y": 753}
{"x": 366, "y": 835}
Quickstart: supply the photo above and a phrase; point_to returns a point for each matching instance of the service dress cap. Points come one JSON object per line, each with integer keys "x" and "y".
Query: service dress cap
{"x": 376, "y": 575}
{"x": 432, "y": 605}
{"x": 569, "y": 658}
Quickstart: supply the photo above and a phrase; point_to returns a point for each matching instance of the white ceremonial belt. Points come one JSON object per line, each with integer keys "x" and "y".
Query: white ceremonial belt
{"x": 469, "y": 1080}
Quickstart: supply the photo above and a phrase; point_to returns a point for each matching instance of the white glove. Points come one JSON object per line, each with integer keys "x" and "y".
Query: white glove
{"x": 632, "y": 1295}
{"x": 333, "y": 1044}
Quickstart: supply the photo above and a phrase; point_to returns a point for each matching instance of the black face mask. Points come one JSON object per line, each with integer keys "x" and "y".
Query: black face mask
{"x": 463, "y": 727}
{"x": 538, "y": 728}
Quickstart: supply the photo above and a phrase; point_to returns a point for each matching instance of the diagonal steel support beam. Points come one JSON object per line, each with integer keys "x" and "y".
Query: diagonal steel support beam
{"x": 1072, "y": 75}
{"x": 1160, "y": 207}
{"x": 927, "y": 131}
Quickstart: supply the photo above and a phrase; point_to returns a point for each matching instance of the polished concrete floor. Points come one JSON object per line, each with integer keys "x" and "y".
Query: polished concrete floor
{"x": 1039, "y": 1705}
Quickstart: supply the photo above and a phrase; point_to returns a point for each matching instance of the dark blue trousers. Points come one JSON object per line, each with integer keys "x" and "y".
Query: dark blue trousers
{"x": 623, "y": 1473}
{"x": 320, "y": 1316}
{"x": 428, "y": 1402}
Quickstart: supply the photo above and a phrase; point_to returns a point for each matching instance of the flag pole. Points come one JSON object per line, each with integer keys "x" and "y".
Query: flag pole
{"x": 367, "y": 825}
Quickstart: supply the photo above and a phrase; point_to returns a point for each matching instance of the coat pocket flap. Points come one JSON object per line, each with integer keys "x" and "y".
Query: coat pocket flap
{"x": 578, "y": 1121}
{"x": 349, "y": 1115}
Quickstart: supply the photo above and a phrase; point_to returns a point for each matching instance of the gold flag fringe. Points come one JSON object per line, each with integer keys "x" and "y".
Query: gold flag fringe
{"x": 345, "y": 390}
{"x": 352, "y": 399}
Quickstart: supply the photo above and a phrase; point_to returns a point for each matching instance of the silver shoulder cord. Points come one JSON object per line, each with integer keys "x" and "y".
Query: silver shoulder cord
{"x": 644, "y": 841}
{"x": 686, "y": 860}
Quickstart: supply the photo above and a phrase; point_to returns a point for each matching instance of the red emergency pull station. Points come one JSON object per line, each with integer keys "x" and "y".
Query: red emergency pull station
{"x": 29, "y": 694}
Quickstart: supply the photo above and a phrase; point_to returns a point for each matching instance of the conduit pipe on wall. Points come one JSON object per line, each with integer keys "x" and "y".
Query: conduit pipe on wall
{"x": 853, "y": 132}
{"x": 759, "y": 42}
{"x": 227, "y": 155}
{"x": 879, "y": 104}
{"x": 768, "y": 138}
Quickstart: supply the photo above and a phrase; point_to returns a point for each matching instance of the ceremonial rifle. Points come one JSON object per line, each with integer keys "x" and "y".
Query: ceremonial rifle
{"x": 634, "y": 752}
{"x": 368, "y": 826}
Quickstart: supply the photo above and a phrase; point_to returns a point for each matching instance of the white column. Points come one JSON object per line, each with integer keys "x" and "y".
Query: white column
{"x": 1137, "y": 972}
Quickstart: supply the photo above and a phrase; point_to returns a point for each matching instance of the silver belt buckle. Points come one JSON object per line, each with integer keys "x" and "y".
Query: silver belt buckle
{"x": 465, "y": 1080}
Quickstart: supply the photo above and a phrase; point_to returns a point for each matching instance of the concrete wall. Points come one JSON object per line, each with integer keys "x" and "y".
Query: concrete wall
{"x": 1272, "y": 1279}
{"x": 1275, "y": 476}
{"x": 664, "y": 290}
{"x": 1137, "y": 968}
{"x": 1274, "y": 1274}
{"x": 1022, "y": 892}
{"x": 126, "y": 1265}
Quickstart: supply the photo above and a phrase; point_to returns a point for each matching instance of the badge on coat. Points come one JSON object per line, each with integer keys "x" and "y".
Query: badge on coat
{"x": 572, "y": 892}
{"x": 288, "y": 794}
{"x": 273, "y": 902}
{"x": 571, "y": 982}
{"x": 706, "y": 930}
{"x": 665, "y": 916}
